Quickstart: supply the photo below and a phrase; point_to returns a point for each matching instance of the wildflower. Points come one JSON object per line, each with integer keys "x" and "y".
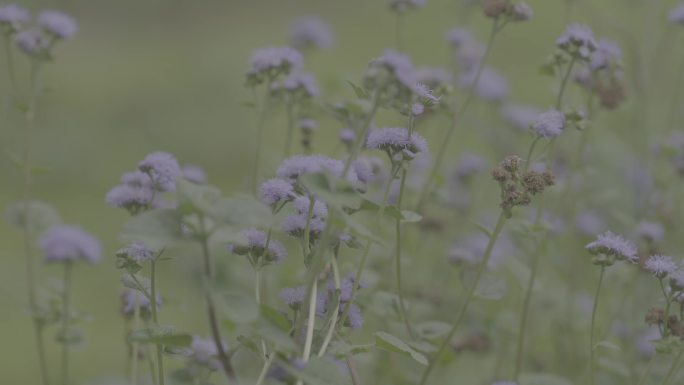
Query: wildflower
{"x": 660, "y": 266}
{"x": 614, "y": 246}
{"x": 276, "y": 190}
{"x": 549, "y": 124}
{"x": 163, "y": 168}
{"x": 459, "y": 36}
{"x": 433, "y": 77}
{"x": 13, "y": 17}
{"x": 194, "y": 174}
{"x": 677, "y": 279}
{"x": 491, "y": 86}
{"x": 354, "y": 317}
{"x": 138, "y": 252}
{"x": 132, "y": 198}
{"x": 255, "y": 248}
{"x": 128, "y": 303}
{"x": 578, "y": 41}
{"x": 57, "y": 24}
{"x": 396, "y": 140}
{"x": 33, "y": 43}
{"x": 311, "y": 32}
{"x": 469, "y": 164}
{"x": 204, "y": 353}
{"x": 298, "y": 165}
{"x": 393, "y": 73}
{"x": 299, "y": 84}
{"x": 308, "y": 126}
{"x": 67, "y": 243}
{"x": 320, "y": 210}
{"x": 650, "y": 231}
{"x": 293, "y": 297}
{"x": 295, "y": 225}
{"x": 519, "y": 116}
{"x": 364, "y": 171}
{"x": 676, "y": 15}
{"x": 347, "y": 136}
{"x": 266, "y": 64}
{"x": 521, "y": 12}
{"x": 608, "y": 54}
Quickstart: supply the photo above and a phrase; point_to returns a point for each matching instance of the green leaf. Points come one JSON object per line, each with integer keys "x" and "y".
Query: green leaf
{"x": 331, "y": 190}
{"x": 318, "y": 371}
{"x": 431, "y": 330}
{"x": 607, "y": 345}
{"x": 482, "y": 228}
{"x": 386, "y": 341}
{"x": 340, "y": 348}
{"x": 142, "y": 284}
{"x": 543, "y": 379}
{"x": 275, "y": 335}
{"x": 410, "y": 216}
{"x": 276, "y": 318}
{"x": 40, "y": 215}
{"x": 243, "y": 210}
{"x": 162, "y": 335}
{"x": 668, "y": 345}
{"x": 157, "y": 229}
{"x": 360, "y": 92}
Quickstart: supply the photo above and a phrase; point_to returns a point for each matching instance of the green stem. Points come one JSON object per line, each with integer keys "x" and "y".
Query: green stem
{"x": 290, "y": 128}
{"x": 135, "y": 345}
{"x": 397, "y": 258}
{"x": 561, "y": 92}
{"x": 469, "y": 296}
{"x": 336, "y": 309}
{"x": 530, "y": 152}
{"x": 66, "y": 321}
{"x": 361, "y": 139}
{"x": 10, "y": 66}
{"x": 668, "y": 303}
{"x": 673, "y": 368}
{"x": 223, "y": 357}
{"x": 311, "y": 322}
{"x": 439, "y": 159}
{"x": 264, "y": 369}
{"x": 155, "y": 320}
{"x": 257, "y": 283}
{"x": 592, "y": 364}
{"x": 642, "y": 381}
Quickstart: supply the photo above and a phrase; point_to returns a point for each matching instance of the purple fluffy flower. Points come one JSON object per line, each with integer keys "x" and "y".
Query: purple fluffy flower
{"x": 519, "y": 116}
{"x": 433, "y": 77}
{"x": 298, "y": 82}
{"x": 608, "y": 54}
{"x": 660, "y": 266}
{"x": 614, "y": 245}
{"x": 293, "y": 296}
{"x": 204, "y": 353}
{"x": 308, "y": 125}
{"x": 651, "y": 231}
{"x": 298, "y": 165}
{"x": 163, "y": 168}
{"x": 579, "y": 39}
{"x": 459, "y": 36}
{"x": 275, "y": 59}
{"x": 301, "y": 204}
{"x": 363, "y": 171}
{"x": 136, "y": 179}
{"x": 676, "y": 15}
{"x": 66, "y": 243}
{"x": 549, "y": 124}
{"x": 398, "y": 64}
{"x": 354, "y": 317}
{"x": 589, "y": 223}
{"x": 469, "y": 164}
{"x": 128, "y": 301}
{"x": 396, "y": 139}
{"x": 295, "y": 225}
{"x": 32, "y": 42}
{"x": 13, "y": 16}
{"x": 58, "y": 24}
{"x": 194, "y": 174}
{"x": 311, "y": 32}
{"x": 276, "y": 190}
{"x": 256, "y": 243}
{"x": 347, "y": 136}
{"x": 491, "y": 86}
{"x": 522, "y": 12}
{"x": 134, "y": 199}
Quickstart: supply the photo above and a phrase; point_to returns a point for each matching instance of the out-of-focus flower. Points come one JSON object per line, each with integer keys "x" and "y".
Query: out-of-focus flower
{"x": 67, "y": 243}
{"x": 311, "y": 32}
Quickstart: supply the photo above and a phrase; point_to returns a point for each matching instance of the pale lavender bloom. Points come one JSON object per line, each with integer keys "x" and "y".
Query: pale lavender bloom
{"x": 293, "y": 296}
{"x": 280, "y": 59}
{"x": 406, "y": 5}
{"x": 491, "y": 86}
{"x": 469, "y": 164}
{"x": 608, "y": 54}
{"x": 354, "y": 317}
{"x": 67, "y": 243}
{"x": 660, "y": 266}
{"x": 346, "y": 287}
{"x": 424, "y": 94}
{"x": 470, "y": 54}
{"x": 298, "y": 165}
{"x": 398, "y": 64}
{"x": 433, "y": 77}
{"x": 522, "y": 12}
{"x": 677, "y": 279}
{"x": 589, "y": 223}
{"x": 580, "y": 37}
{"x": 194, "y": 174}
{"x": 347, "y": 136}
{"x": 417, "y": 109}
{"x": 308, "y": 125}
{"x": 302, "y": 82}
{"x": 396, "y": 140}
{"x": 615, "y": 245}
{"x": 364, "y": 171}
{"x": 295, "y": 225}
{"x": 163, "y": 168}
{"x": 651, "y": 231}
{"x": 58, "y": 24}
{"x": 311, "y": 32}
{"x": 204, "y": 352}
{"x": 138, "y": 252}
{"x": 459, "y": 36}
{"x": 128, "y": 302}
{"x": 136, "y": 179}
{"x": 643, "y": 343}
{"x": 676, "y": 15}
{"x": 256, "y": 241}
{"x": 275, "y": 191}
{"x": 13, "y": 16}
{"x": 320, "y": 210}
{"x": 32, "y": 42}
{"x": 129, "y": 197}
{"x": 519, "y": 116}
{"x": 549, "y": 124}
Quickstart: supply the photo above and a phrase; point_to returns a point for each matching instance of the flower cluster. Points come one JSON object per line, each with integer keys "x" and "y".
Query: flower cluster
{"x": 267, "y": 64}
{"x": 496, "y": 9}
{"x": 68, "y": 244}
{"x": 38, "y": 40}
{"x": 609, "y": 247}
{"x": 259, "y": 248}
{"x": 311, "y": 33}
{"x": 517, "y": 184}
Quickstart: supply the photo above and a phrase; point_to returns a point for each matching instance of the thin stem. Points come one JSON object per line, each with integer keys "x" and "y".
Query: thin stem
{"x": 457, "y": 115}
{"x": 357, "y": 282}
{"x": 469, "y": 296}
{"x": 592, "y": 332}
{"x": 257, "y": 283}
{"x": 668, "y": 303}
{"x": 223, "y": 357}
{"x": 264, "y": 369}
{"x": 310, "y": 323}
{"x": 290, "y": 127}
{"x": 642, "y": 381}
{"x": 336, "y": 309}
{"x": 261, "y": 121}
{"x": 361, "y": 139}
{"x": 397, "y": 258}
{"x": 673, "y": 368}
{"x": 352, "y": 372}
{"x": 135, "y": 345}
{"x": 561, "y": 92}
{"x": 66, "y": 321}
{"x": 525, "y": 311}
{"x": 155, "y": 320}
{"x": 530, "y": 152}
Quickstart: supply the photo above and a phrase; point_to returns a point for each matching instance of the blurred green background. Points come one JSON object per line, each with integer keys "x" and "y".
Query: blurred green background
{"x": 147, "y": 75}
